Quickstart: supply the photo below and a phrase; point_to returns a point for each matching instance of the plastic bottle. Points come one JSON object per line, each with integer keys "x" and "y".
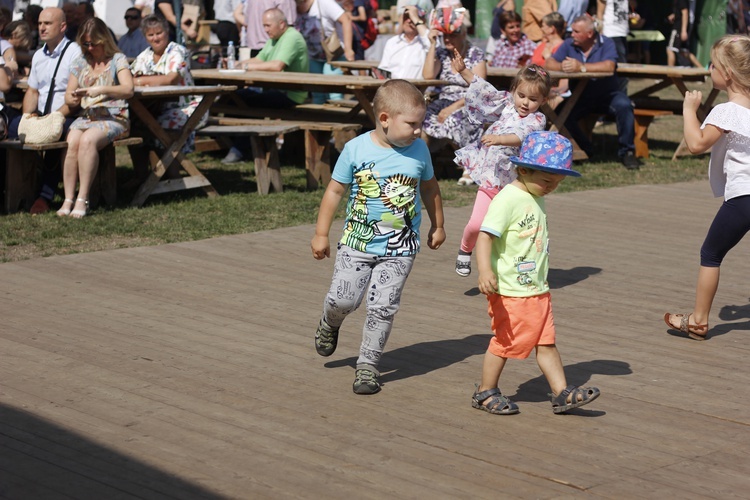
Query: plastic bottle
{"x": 230, "y": 55}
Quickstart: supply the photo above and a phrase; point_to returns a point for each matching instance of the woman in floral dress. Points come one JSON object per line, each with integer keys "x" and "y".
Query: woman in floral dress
{"x": 446, "y": 117}
{"x": 164, "y": 63}
{"x": 100, "y": 83}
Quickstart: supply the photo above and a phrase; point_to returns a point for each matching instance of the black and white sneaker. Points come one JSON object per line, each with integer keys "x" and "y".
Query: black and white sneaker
{"x": 463, "y": 265}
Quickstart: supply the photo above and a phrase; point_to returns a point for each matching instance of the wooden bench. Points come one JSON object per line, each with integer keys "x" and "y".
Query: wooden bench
{"x": 22, "y": 161}
{"x": 317, "y": 142}
{"x": 263, "y": 144}
{"x": 643, "y": 118}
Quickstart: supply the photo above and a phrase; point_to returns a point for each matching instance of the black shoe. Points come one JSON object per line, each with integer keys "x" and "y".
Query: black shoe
{"x": 366, "y": 381}
{"x": 326, "y": 339}
{"x": 630, "y": 162}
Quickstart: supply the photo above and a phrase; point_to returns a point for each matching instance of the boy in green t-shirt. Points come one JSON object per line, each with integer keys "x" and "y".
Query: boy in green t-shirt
{"x": 512, "y": 254}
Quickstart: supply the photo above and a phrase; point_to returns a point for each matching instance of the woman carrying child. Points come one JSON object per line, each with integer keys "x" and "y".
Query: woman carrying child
{"x": 726, "y": 132}
{"x": 487, "y": 161}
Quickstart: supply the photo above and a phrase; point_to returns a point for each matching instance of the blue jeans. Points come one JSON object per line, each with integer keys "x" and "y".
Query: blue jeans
{"x": 606, "y": 101}
{"x": 318, "y": 66}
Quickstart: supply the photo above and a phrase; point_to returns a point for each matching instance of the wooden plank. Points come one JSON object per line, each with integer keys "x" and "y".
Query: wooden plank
{"x": 142, "y": 377}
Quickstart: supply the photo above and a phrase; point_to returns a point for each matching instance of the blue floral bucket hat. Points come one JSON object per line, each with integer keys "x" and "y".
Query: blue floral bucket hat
{"x": 548, "y": 152}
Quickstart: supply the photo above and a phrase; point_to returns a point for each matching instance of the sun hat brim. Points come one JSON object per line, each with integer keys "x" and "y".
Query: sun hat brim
{"x": 552, "y": 170}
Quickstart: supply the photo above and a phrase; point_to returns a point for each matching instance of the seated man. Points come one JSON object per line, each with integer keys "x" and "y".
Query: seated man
{"x": 133, "y": 42}
{"x": 404, "y": 54}
{"x": 285, "y": 50}
{"x": 586, "y": 50}
{"x": 50, "y": 63}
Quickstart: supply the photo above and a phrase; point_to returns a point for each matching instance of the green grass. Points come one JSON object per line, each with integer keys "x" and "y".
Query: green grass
{"x": 190, "y": 215}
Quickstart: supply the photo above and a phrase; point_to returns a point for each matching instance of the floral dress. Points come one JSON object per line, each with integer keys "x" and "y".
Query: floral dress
{"x": 174, "y": 114}
{"x": 101, "y": 112}
{"x": 490, "y": 166}
{"x": 456, "y": 127}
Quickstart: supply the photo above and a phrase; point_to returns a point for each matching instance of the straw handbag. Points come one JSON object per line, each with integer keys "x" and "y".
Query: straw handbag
{"x": 41, "y": 129}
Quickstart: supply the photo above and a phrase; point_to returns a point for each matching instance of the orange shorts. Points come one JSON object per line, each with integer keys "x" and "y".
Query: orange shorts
{"x": 520, "y": 324}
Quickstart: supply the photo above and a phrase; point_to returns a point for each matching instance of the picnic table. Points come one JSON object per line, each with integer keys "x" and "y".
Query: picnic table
{"x": 173, "y": 143}
{"x": 663, "y": 77}
{"x": 501, "y": 78}
{"x": 362, "y": 87}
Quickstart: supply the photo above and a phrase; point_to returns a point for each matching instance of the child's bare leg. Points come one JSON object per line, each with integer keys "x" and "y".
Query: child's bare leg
{"x": 548, "y": 359}
{"x": 705, "y": 291}
{"x": 491, "y": 369}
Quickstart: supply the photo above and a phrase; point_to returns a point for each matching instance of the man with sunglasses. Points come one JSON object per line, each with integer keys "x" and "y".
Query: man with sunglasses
{"x": 133, "y": 42}
{"x": 50, "y": 63}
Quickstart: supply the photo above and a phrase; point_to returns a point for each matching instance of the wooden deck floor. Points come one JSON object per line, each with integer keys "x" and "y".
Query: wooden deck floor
{"x": 188, "y": 371}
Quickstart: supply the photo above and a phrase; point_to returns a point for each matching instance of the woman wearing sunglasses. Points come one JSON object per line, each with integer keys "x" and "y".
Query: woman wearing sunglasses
{"x": 100, "y": 83}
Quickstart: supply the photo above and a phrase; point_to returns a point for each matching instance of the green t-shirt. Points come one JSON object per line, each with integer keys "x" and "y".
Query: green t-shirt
{"x": 291, "y": 49}
{"x": 520, "y": 249}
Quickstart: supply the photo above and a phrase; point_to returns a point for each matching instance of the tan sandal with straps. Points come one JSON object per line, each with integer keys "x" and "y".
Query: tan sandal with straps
{"x": 695, "y": 332}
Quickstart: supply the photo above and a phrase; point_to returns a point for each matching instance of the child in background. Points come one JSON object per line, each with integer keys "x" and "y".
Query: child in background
{"x": 512, "y": 256}
{"x": 488, "y": 161}
{"x": 387, "y": 170}
{"x": 726, "y": 132}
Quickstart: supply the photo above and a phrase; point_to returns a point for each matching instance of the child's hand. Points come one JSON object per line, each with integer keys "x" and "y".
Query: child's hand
{"x": 321, "y": 247}
{"x": 491, "y": 140}
{"x": 487, "y": 283}
{"x": 693, "y": 99}
{"x": 435, "y": 237}
{"x": 457, "y": 62}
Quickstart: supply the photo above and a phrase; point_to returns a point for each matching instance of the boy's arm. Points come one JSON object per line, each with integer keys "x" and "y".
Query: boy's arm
{"x": 321, "y": 247}
{"x": 487, "y": 278}
{"x": 433, "y": 203}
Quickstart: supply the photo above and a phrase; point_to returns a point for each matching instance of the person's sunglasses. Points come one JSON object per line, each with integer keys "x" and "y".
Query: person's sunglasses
{"x": 132, "y": 18}
{"x": 88, "y": 45}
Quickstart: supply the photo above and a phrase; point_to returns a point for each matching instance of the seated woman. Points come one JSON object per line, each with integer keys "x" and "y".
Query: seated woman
{"x": 553, "y": 29}
{"x": 100, "y": 83}
{"x": 446, "y": 118}
{"x": 7, "y": 51}
{"x": 163, "y": 63}
{"x": 18, "y": 33}
{"x": 512, "y": 49}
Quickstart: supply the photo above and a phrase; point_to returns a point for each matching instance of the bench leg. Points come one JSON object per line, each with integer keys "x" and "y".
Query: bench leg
{"x": 267, "y": 164}
{"x": 20, "y": 179}
{"x": 641, "y": 135}
{"x": 317, "y": 158}
{"x": 105, "y": 182}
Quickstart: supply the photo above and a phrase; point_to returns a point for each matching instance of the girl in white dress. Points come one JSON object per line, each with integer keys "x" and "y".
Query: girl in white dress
{"x": 487, "y": 161}
{"x": 726, "y": 131}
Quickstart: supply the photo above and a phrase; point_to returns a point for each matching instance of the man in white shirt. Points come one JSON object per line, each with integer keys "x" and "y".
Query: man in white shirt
{"x": 41, "y": 98}
{"x": 404, "y": 54}
{"x": 226, "y": 29}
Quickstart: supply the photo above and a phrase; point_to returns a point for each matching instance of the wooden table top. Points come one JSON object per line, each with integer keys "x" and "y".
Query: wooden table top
{"x": 657, "y": 71}
{"x": 555, "y": 75}
{"x": 301, "y": 81}
{"x": 179, "y": 90}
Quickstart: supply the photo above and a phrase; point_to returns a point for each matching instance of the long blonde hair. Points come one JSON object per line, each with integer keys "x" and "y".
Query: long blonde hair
{"x": 731, "y": 54}
{"x": 98, "y": 32}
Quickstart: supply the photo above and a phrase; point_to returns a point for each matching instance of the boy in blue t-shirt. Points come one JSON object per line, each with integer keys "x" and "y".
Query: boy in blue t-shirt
{"x": 387, "y": 170}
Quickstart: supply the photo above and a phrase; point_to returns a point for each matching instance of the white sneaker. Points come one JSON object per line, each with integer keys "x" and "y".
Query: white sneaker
{"x": 233, "y": 156}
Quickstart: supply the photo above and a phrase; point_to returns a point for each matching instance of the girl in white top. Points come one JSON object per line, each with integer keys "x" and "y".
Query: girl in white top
{"x": 726, "y": 131}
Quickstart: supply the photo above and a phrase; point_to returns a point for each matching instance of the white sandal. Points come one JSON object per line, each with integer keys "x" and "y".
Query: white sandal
{"x": 78, "y": 213}
{"x": 465, "y": 180}
{"x": 65, "y": 211}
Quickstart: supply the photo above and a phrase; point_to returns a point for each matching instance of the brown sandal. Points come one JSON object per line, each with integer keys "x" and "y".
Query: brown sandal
{"x": 695, "y": 332}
